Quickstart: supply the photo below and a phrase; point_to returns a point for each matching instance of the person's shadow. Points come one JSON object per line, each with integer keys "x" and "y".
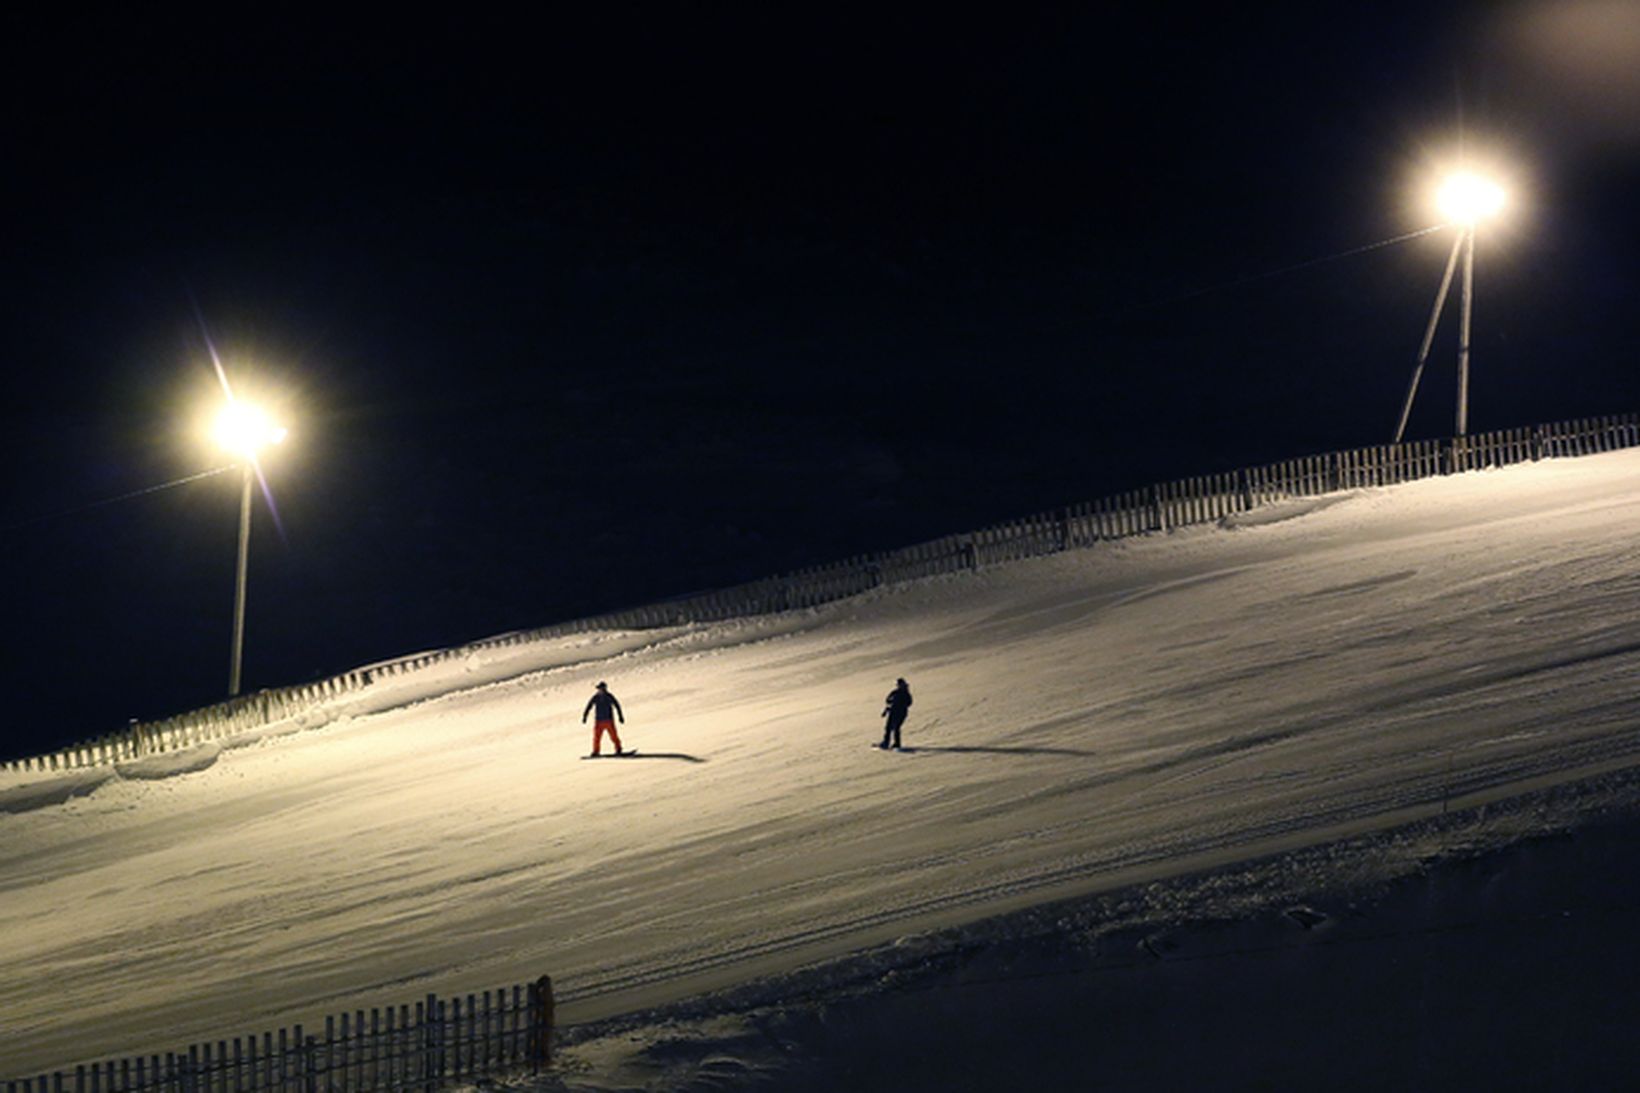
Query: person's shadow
{"x": 955, "y": 749}
{"x": 665, "y": 755}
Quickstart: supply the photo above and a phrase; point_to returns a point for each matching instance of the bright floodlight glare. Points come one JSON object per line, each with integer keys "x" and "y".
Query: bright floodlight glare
{"x": 1466, "y": 198}
{"x": 243, "y": 429}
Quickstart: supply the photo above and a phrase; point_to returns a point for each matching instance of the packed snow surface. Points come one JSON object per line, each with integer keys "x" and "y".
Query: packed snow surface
{"x": 1082, "y": 722}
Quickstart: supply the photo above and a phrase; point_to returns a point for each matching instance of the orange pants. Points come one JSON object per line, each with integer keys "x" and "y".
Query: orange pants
{"x": 598, "y": 731}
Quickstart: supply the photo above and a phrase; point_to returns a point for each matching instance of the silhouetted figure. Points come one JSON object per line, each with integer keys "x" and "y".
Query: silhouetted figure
{"x": 609, "y": 708}
{"x": 895, "y": 707}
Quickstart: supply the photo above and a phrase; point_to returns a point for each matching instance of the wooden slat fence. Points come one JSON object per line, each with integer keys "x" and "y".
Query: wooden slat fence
{"x": 421, "y": 1047}
{"x": 1162, "y": 507}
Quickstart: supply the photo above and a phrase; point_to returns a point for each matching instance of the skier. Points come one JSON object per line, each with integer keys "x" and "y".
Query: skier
{"x": 609, "y": 708}
{"x": 895, "y": 707}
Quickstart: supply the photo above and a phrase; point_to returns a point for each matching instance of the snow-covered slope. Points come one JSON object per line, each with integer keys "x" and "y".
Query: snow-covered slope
{"x": 1081, "y": 721}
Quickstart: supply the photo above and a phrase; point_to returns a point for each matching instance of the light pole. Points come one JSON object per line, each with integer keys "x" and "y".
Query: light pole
{"x": 1465, "y": 200}
{"x": 243, "y": 430}
{"x": 239, "y": 579}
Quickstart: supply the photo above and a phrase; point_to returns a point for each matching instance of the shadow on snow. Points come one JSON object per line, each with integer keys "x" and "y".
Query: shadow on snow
{"x": 967, "y": 750}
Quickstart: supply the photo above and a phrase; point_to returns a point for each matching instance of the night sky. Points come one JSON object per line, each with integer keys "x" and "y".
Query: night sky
{"x": 571, "y": 314}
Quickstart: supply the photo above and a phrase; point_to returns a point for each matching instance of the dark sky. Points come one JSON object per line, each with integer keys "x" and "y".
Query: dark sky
{"x": 571, "y": 314}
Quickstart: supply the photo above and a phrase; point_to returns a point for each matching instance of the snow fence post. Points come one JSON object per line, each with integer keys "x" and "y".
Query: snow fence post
{"x": 434, "y": 1065}
{"x": 305, "y": 1067}
{"x": 541, "y": 1020}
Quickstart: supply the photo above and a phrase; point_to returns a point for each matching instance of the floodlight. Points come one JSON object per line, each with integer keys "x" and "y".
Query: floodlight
{"x": 1464, "y": 199}
{"x": 244, "y": 429}
{"x": 1467, "y": 198}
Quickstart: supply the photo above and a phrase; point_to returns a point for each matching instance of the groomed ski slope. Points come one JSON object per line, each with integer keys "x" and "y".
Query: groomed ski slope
{"x": 1081, "y": 721}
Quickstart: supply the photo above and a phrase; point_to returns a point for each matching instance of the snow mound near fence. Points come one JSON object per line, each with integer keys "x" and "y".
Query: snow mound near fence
{"x": 170, "y": 764}
{"x": 53, "y": 789}
{"x": 1281, "y": 511}
{"x": 62, "y": 787}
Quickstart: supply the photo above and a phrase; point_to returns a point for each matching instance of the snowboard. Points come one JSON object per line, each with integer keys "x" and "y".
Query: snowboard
{"x": 612, "y": 755}
{"x": 905, "y": 751}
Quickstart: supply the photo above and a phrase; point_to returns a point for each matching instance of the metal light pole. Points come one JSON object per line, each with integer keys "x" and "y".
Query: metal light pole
{"x": 1465, "y": 200}
{"x": 1429, "y": 338}
{"x": 242, "y": 430}
{"x": 1464, "y": 310}
{"x": 237, "y": 655}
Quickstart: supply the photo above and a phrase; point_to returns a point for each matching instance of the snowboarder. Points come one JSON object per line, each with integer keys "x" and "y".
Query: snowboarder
{"x": 609, "y": 708}
{"x": 895, "y": 707}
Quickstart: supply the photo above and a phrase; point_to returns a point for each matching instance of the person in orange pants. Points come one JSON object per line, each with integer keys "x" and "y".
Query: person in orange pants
{"x": 609, "y": 708}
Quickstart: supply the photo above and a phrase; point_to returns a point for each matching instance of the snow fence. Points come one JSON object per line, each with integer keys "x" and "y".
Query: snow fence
{"x": 435, "y": 1042}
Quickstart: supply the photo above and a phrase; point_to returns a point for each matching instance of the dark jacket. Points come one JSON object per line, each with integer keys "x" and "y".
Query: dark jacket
{"x": 897, "y": 702}
{"x": 606, "y": 705}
